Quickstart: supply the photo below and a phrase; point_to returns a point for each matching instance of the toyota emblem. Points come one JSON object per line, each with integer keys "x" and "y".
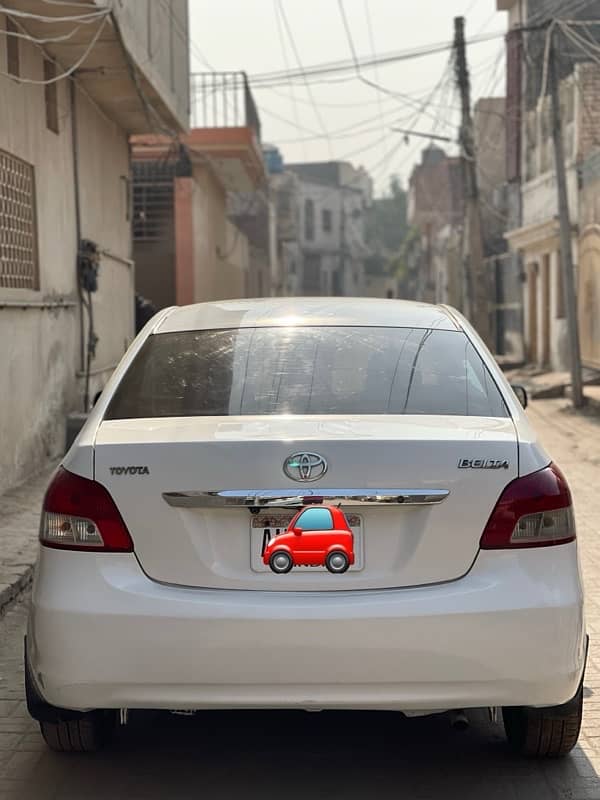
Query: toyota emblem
{"x": 305, "y": 467}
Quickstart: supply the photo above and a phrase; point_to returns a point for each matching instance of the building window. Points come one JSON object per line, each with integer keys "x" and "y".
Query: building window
{"x": 327, "y": 221}
{"x": 153, "y": 193}
{"x": 12, "y": 49}
{"x": 309, "y": 219}
{"x": 18, "y": 234}
{"x": 50, "y": 96}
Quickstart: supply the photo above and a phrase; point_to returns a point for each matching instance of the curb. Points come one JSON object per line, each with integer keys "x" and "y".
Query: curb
{"x": 11, "y": 592}
{"x": 19, "y": 531}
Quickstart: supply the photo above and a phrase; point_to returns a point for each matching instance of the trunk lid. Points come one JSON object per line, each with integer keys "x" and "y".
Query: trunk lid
{"x": 401, "y": 545}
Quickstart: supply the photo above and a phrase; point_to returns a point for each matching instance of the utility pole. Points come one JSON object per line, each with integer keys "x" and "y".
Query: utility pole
{"x": 566, "y": 250}
{"x": 477, "y": 293}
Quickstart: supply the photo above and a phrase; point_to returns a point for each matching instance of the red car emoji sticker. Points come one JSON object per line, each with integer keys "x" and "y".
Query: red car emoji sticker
{"x": 316, "y": 537}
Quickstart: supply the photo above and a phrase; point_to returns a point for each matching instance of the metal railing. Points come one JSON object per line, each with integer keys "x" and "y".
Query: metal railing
{"x": 223, "y": 100}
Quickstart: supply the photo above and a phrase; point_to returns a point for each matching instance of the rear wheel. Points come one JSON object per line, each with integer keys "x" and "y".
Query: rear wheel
{"x": 86, "y": 734}
{"x": 544, "y": 732}
{"x": 337, "y": 561}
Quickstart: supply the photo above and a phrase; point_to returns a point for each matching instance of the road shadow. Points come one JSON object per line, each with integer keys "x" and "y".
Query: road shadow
{"x": 275, "y": 755}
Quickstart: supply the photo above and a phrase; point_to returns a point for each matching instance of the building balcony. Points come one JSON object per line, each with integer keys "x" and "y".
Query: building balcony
{"x": 226, "y": 129}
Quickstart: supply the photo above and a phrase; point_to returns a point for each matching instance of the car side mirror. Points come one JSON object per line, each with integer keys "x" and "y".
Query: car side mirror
{"x": 298, "y": 531}
{"x": 521, "y": 393}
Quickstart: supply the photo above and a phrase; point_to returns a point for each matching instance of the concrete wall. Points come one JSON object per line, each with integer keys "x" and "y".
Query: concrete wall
{"x": 233, "y": 266}
{"x": 156, "y": 35}
{"x": 39, "y": 341}
{"x": 221, "y": 253}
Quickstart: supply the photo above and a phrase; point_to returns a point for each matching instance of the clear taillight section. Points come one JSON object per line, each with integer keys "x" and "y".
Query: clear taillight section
{"x": 534, "y": 511}
{"x": 64, "y": 530}
{"x": 80, "y": 514}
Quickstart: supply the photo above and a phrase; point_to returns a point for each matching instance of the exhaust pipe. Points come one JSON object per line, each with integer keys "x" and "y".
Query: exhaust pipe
{"x": 459, "y": 720}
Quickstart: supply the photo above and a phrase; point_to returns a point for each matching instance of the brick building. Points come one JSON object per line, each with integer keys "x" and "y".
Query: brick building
{"x": 436, "y": 204}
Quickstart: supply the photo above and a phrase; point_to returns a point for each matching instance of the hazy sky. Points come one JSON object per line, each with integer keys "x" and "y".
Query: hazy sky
{"x": 245, "y": 35}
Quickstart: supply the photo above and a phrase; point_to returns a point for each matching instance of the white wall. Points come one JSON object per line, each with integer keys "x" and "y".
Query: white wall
{"x": 324, "y": 198}
{"x": 39, "y": 341}
{"x": 349, "y": 230}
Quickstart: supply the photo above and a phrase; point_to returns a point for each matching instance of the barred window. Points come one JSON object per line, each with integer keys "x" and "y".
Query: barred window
{"x": 18, "y": 234}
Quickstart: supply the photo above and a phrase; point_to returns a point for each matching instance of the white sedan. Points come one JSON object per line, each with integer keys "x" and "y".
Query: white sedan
{"x": 460, "y": 588}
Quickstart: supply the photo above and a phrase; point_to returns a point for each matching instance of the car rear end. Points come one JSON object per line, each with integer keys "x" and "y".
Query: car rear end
{"x": 151, "y": 590}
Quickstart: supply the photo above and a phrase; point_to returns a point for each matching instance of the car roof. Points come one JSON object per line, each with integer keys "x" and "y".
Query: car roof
{"x": 305, "y": 311}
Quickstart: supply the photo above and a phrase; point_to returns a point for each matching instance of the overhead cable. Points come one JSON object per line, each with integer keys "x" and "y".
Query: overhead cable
{"x": 84, "y": 19}
{"x": 302, "y": 71}
{"x": 73, "y": 68}
{"x": 350, "y": 65}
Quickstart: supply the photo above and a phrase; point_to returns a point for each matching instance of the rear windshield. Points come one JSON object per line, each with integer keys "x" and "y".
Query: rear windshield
{"x": 306, "y": 370}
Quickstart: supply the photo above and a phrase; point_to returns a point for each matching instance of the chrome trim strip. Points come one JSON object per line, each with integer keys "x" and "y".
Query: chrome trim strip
{"x": 272, "y": 498}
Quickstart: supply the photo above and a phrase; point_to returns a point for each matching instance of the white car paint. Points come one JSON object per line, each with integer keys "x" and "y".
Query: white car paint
{"x": 431, "y": 622}
{"x": 407, "y": 546}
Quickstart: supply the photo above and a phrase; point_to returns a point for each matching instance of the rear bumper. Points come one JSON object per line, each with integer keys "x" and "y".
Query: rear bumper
{"x": 511, "y": 632}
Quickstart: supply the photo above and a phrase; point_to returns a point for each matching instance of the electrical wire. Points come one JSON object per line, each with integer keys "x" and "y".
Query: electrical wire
{"x": 71, "y": 69}
{"x": 287, "y": 66}
{"x": 182, "y": 31}
{"x": 572, "y": 7}
{"x": 301, "y": 67}
{"x": 72, "y": 3}
{"x": 344, "y": 66}
{"x": 373, "y": 53}
{"x": 302, "y": 101}
{"x": 50, "y": 40}
{"x": 84, "y": 19}
{"x": 359, "y": 75}
{"x": 275, "y": 115}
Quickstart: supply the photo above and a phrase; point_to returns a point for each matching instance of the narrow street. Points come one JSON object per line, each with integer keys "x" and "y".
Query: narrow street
{"x": 274, "y": 755}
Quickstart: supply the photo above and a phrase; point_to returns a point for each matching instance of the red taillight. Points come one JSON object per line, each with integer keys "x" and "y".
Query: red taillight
{"x": 80, "y": 514}
{"x": 534, "y": 511}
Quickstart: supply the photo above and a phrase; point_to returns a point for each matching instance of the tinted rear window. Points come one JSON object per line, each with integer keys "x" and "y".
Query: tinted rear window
{"x": 306, "y": 370}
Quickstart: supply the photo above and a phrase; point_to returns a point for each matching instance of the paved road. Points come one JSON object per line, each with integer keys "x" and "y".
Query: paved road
{"x": 299, "y": 755}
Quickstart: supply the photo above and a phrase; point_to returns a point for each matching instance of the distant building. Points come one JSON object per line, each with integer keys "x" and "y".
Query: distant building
{"x": 436, "y": 201}
{"x": 285, "y": 193}
{"x": 332, "y": 198}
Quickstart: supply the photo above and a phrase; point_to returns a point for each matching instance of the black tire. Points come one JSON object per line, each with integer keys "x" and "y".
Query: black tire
{"x": 276, "y": 562}
{"x": 87, "y": 734}
{"x": 337, "y": 562}
{"x": 544, "y": 732}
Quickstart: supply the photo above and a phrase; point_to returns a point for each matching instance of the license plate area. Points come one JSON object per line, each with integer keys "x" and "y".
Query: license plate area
{"x": 267, "y": 524}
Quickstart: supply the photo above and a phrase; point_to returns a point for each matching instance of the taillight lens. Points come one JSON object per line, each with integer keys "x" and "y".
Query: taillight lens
{"x": 534, "y": 511}
{"x": 80, "y": 514}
